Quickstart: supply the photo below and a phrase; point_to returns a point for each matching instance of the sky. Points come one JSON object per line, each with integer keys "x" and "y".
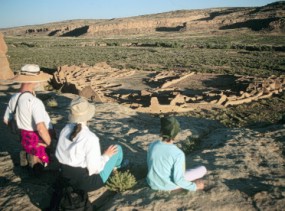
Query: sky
{"x": 30, "y": 12}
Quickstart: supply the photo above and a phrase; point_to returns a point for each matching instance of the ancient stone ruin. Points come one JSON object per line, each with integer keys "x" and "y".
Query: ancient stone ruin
{"x": 5, "y": 71}
{"x": 90, "y": 82}
{"x": 164, "y": 92}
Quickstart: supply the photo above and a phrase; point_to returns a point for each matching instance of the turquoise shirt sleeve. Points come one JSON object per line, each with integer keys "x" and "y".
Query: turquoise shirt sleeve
{"x": 178, "y": 174}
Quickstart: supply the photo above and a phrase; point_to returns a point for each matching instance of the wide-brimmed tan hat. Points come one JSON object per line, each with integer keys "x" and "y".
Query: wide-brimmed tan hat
{"x": 81, "y": 110}
{"x": 30, "y": 73}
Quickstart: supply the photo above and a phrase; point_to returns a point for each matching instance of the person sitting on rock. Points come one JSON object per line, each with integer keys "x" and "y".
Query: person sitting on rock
{"x": 166, "y": 162}
{"x": 78, "y": 150}
{"x": 32, "y": 119}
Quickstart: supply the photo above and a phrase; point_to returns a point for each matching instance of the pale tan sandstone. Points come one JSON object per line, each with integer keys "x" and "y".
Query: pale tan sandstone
{"x": 5, "y": 71}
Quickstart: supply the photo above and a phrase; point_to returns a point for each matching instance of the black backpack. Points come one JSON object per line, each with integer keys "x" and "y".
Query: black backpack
{"x": 75, "y": 200}
{"x": 66, "y": 198}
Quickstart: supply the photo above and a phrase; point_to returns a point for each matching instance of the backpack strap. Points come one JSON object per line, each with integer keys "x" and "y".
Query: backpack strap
{"x": 14, "y": 112}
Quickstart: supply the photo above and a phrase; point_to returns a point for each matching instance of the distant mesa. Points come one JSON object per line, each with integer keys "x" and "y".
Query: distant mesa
{"x": 212, "y": 15}
{"x": 54, "y": 32}
{"x": 269, "y": 18}
{"x": 172, "y": 29}
{"x": 76, "y": 32}
{"x": 255, "y": 25}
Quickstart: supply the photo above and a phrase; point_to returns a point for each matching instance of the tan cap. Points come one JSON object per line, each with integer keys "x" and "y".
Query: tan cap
{"x": 81, "y": 110}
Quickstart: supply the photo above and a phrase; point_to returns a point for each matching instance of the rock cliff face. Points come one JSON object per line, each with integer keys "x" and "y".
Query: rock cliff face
{"x": 269, "y": 18}
{"x": 5, "y": 71}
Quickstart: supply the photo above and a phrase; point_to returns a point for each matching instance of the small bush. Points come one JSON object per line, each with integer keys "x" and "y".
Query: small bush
{"x": 52, "y": 103}
{"x": 121, "y": 181}
{"x": 48, "y": 88}
{"x": 189, "y": 145}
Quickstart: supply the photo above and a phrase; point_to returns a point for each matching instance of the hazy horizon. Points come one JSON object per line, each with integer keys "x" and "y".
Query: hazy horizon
{"x": 17, "y": 13}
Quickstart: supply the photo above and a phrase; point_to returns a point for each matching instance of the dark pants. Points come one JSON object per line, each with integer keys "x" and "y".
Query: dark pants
{"x": 80, "y": 179}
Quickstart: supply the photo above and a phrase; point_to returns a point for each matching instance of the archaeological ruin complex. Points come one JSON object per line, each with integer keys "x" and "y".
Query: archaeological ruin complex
{"x": 164, "y": 92}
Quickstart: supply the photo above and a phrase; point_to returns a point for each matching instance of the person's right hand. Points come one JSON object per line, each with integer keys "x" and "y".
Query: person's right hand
{"x": 199, "y": 184}
{"x": 42, "y": 144}
{"x": 111, "y": 151}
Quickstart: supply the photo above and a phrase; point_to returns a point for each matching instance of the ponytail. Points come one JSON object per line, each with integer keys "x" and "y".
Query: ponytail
{"x": 166, "y": 139}
{"x": 77, "y": 128}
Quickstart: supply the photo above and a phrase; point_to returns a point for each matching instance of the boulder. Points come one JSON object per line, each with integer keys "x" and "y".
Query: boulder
{"x": 5, "y": 71}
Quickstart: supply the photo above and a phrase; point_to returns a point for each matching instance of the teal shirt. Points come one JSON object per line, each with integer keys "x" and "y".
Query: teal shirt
{"x": 166, "y": 167}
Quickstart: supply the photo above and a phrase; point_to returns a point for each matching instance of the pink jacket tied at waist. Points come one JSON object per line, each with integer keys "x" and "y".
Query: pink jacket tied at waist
{"x": 30, "y": 141}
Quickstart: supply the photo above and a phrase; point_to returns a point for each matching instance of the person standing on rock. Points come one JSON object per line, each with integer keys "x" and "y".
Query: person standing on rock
{"x": 166, "y": 162}
{"x": 78, "y": 150}
{"x": 32, "y": 119}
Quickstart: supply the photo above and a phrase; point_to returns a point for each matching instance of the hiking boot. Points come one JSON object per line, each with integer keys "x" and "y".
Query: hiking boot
{"x": 23, "y": 158}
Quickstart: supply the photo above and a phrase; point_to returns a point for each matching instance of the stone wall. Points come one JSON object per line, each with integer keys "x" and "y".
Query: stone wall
{"x": 165, "y": 92}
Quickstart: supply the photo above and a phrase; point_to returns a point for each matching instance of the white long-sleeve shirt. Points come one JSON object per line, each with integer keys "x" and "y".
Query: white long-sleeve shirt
{"x": 84, "y": 151}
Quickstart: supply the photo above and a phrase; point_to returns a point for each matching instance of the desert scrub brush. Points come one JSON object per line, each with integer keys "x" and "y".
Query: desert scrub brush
{"x": 52, "y": 103}
{"x": 190, "y": 144}
{"x": 121, "y": 181}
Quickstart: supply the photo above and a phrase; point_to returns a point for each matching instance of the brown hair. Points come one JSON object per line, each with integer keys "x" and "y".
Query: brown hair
{"x": 77, "y": 128}
{"x": 166, "y": 139}
{"x": 170, "y": 127}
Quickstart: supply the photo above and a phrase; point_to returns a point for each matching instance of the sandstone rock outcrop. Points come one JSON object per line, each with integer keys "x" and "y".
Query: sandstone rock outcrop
{"x": 5, "y": 71}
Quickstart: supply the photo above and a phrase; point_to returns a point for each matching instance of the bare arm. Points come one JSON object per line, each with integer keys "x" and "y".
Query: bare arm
{"x": 5, "y": 121}
{"x": 43, "y": 132}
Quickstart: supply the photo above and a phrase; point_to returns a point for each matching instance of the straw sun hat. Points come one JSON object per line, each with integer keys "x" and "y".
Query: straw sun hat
{"x": 30, "y": 73}
{"x": 81, "y": 110}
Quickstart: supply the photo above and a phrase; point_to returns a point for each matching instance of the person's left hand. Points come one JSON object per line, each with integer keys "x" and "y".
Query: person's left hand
{"x": 111, "y": 151}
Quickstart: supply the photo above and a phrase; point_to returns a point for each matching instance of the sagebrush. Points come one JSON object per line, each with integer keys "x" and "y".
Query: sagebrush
{"x": 121, "y": 181}
{"x": 52, "y": 103}
{"x": 189, "y": 145}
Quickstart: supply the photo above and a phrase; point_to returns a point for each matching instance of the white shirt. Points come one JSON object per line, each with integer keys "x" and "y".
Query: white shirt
{"x": 30, "y": 112}
{"x": 84, "y": 151}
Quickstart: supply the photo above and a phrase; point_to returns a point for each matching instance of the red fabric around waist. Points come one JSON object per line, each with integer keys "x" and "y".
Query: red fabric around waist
{"x": 30, "y": 141}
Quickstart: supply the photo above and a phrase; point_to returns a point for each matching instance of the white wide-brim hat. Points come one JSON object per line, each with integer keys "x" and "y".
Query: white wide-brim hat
{"x": 30, "y": 73}
{"x": 81, "y": 110}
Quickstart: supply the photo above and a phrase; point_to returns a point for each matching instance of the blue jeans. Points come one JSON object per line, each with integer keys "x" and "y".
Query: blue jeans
{"x": 115, "y": 161}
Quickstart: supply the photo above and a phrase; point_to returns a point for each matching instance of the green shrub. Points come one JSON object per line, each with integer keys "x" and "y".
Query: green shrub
{"x": 48, "y": 87}
{"x": 113, "y": 44}
{"x": 52, "y": 103}
{"x": 207, "y": 54}
{"x": 121, "y": 181}
{"x": 189, "y": 145}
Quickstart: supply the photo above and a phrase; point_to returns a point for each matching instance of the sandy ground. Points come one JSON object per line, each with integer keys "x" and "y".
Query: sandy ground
{"x": 245, "y": 166}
